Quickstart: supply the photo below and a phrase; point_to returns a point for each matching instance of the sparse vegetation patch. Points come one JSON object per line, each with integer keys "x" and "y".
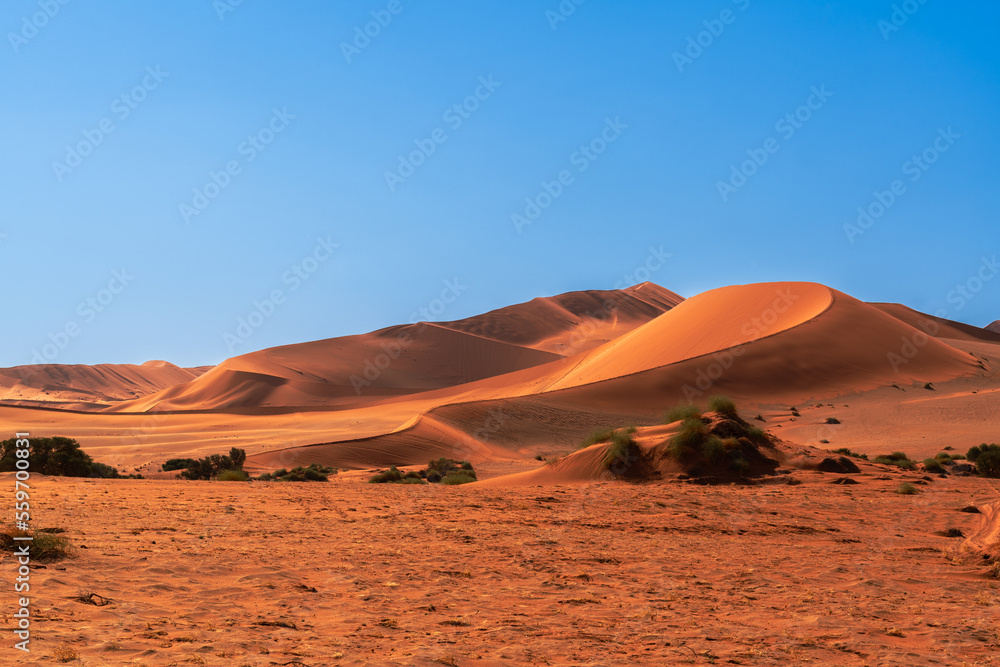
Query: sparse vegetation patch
{"x": 439, "y": 471}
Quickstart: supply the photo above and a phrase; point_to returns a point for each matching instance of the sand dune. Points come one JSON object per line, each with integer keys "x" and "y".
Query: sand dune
{"x": 768, "y": 342}
{"x": 418, "y": 357}
{"x": 995, "y": 327}
{"x": 938, "y": 326}
{"x": 79, "y": 386}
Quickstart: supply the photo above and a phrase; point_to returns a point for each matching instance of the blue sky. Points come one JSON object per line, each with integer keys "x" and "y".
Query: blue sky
{"x": 248, "y": 139}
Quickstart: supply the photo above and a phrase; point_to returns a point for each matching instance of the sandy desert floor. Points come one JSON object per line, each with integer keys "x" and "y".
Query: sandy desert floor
{"x": 608, "y": 573}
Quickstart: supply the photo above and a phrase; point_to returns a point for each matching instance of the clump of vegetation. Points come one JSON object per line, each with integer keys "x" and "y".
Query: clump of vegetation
{"x": 695, "y": 444}
{"x": 57, "y": 456}
{"x": 622, "y": 453}
{"x": 844, "y": 451}
{"x": 987, "y": 459}
{"x": 898, "y": 459}
{"x": 933, "y": 465}
{"x": 906, "y": 489}
{"x": 439, "y": 471}
{"x": 723, "y": 405}
{"x": 212, "y": 466}
{"x": 387, "y": 476}
{"x": 47, "y": 544}
{"x": 177, "y": 464}
{"x": 233, "y": 476}
{"x": 795, "y": 411}
{"x": 600, "y": 435}
{"x": 832, "y": 420}
{"x": 680, "y": 413}
{"x": 314, "y": 472}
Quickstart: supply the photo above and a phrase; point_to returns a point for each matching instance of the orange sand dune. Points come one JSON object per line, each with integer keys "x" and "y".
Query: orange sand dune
{"x": 416, "y": 357}
{"x": 938, "y": 326}
{"x": 995, "y": 327}
{"x": 399, "y": 360}
{"x": 777, "y": 341}
{"x": 87, "y": 386}
{"x": 572, "y": 322}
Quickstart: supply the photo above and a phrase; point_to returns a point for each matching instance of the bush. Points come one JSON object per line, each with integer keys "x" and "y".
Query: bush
{"x": 46, "y": 546}
{"x": 844, "y": 451}
{"x": 232, "y": 476}
{"x": 933, "y": 465}
{"x": 987, "y": 459}
{"x": 600, "y": 435}
{"x": 49, "y": 456}
{"x": 177, "y": 464}
{"x": 210, "y": 466}
{"x": 681, "y": 413}
{"x": 832, "y": 420}
{"x": 457, "y": 477}
{"x": 722, "y": 405}
{"x": 387, "y": 477}
{"x": 898, "y": 459}
{"x": 621, "y": 454}
{"x": 906, "y": 489}
{"x": 689, "y": 440}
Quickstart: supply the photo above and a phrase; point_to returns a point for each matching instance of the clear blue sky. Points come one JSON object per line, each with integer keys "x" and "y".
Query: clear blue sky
{"x": 678, "y": 125}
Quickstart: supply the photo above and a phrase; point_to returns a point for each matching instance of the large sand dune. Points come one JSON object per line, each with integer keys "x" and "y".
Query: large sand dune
{"x": 416, "y": 357}
{"x": 533, "y": 378}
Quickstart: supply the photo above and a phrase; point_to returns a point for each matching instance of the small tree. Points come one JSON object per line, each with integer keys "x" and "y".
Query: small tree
{"x": 49, "y": 456}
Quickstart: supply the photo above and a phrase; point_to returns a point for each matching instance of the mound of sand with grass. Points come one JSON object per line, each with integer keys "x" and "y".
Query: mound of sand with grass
{"x": 726, "y": 449}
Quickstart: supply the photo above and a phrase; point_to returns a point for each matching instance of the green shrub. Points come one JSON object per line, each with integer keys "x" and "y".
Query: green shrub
{"x": 906, "y": 489}
{"x": 177, "y": 464}
{"x": 621, "y": 454}
{"x": 689, "y": 440}
{"x": 388, "y": 476}
{"x": 600, "y": 435}
{"x": 723, "y": 405}
{"x": 456, "y": 477}
{"x": 313, "y": 475}
{"x": 898, "y": 459}
{"x": 434, "y": 477}
{"x": 232, "y": 476}
{"x": 681, "y": 413}
{"x": 933, "y": 465}
{"x": 210, "y": 466}
{"x": 844, "y": 451}
{"x": 47, "y": 545}
{"x": 714, "y": 451}
{"x": 987, "y": 459}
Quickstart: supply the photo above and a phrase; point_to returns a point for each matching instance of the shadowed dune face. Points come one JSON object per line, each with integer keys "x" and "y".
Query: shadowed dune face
{"x": 994, "y": 327}
{"x": 938, "y": 326}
